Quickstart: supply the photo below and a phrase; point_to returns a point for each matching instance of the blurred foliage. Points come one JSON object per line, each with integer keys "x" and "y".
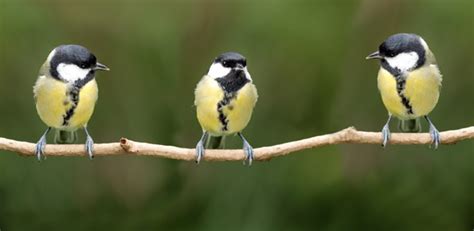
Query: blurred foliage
{"x": 307, "y": 60}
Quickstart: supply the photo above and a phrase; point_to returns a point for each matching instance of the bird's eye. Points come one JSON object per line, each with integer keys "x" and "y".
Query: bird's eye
{"x": 83, "y": 66}
{"x": 224, "y": 63}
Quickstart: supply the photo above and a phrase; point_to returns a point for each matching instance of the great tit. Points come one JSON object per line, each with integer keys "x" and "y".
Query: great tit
{"x": 409, "y": 82}
{"x": 65, "y": 94}
{"x": 224, "y": 100}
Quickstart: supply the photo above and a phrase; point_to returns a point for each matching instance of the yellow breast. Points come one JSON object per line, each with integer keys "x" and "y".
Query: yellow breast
{"x": 51, "y": 100}
{"x": 208, "y": 94}
{"x": 388, "y": 90}
{"x": 240, "y": 108}
{"x": 52, "y": 103}
{"x": 85, "y": 108}
{"x": 421, "y": 90}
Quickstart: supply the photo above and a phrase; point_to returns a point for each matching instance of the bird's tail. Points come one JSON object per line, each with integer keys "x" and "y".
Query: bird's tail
{"x": 410, "y": 125}
{"x": 215, "y": 142}
{"x": 65, "y": 137}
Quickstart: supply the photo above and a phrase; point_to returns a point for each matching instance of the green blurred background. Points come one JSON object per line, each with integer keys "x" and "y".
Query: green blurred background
{"x": 307, "y": 60}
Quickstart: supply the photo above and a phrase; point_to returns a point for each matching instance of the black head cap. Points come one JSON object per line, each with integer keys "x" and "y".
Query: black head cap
{"x": 231, "y": 59}
{"x": 72, "y": 54}
{"x": 403, "y": 43}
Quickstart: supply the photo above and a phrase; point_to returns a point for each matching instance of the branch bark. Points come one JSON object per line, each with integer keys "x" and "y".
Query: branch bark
{"x": 128, "y": 147}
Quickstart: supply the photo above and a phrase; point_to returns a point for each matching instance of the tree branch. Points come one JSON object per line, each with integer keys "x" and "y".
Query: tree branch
{"x": 128, "y": 147}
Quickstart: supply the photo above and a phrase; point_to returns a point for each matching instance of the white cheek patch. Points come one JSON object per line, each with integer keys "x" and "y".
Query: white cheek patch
{"x": 403, "y": 61}
{"x": 217, "y": 70}
{"x": 71, "y": 72}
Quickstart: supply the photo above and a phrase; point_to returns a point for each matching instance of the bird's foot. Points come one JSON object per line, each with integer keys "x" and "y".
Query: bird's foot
{"x": 385, "y": 135}
{"x": 200, "y": 147}
{"x": 247, "y": 149}
{"x": 248, "y": 153}
{"x": 435, "y": 137}
{"x": 90, "y": 147}
{"x": 39, "y": 150}
{"x": 199, "y": 151}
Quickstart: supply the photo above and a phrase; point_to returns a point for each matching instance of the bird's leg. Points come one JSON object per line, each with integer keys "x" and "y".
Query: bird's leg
{"x": 386, "y": 131}
{"x": 200, "y": 147}
{"x": 39, "y": 150}
{"x": 434, "y": 133}
{"x": 89, "y": 144}
{"x": 247, "y": 149}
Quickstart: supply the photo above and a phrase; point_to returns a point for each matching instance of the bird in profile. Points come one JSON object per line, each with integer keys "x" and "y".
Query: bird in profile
{"x": 65, "y": 94}
{"x": 409, "y": 82}
{"x": 224, "y": 100}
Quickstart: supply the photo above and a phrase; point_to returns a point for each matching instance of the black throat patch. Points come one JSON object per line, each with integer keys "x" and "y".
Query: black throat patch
{"x": 73, "y": 94}
{"x": 401, "y": 82}
{"x": 233, "y": 81}
{"x": 231, "y": 84}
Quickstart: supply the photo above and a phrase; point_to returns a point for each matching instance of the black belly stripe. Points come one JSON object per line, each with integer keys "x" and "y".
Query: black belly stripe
{"x": 231, "y": 84}
{"x": 220, "y": 109}
{"x": 401, "y": 82}
{"x": 73, "y": 95}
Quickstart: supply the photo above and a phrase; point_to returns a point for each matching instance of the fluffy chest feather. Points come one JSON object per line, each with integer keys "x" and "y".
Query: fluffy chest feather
{"x": 418, "y": 96}
{"x": 62, "y": 105}
{"x": 220, "y": 112}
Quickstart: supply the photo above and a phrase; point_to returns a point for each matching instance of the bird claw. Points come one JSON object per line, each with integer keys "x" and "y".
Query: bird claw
{"x": 435, "y": 137}
{"x": 385, "y": 135}
{"x": 39, "y": 149}
{"x": 200, "y": 147}
{"x": 248, "y": 153}
{"x": 247, "y": 149}
{"x": 90, "y": 147}
{"x": 199, "y": 151}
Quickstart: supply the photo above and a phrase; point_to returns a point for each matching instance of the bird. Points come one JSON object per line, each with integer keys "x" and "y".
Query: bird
{"x": 224, "y": 99}
{"x": 65, "y": 94}
{"x": 409, "y": 82}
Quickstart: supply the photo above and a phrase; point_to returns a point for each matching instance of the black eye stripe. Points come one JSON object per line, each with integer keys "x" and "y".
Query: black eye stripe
{"x": 233, "y": 63}
{"x": 228, "y": 63}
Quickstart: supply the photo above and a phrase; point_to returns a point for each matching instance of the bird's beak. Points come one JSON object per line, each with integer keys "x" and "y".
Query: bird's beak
{"x": 375, "y": 55}
{"x": 101, "y": 67}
